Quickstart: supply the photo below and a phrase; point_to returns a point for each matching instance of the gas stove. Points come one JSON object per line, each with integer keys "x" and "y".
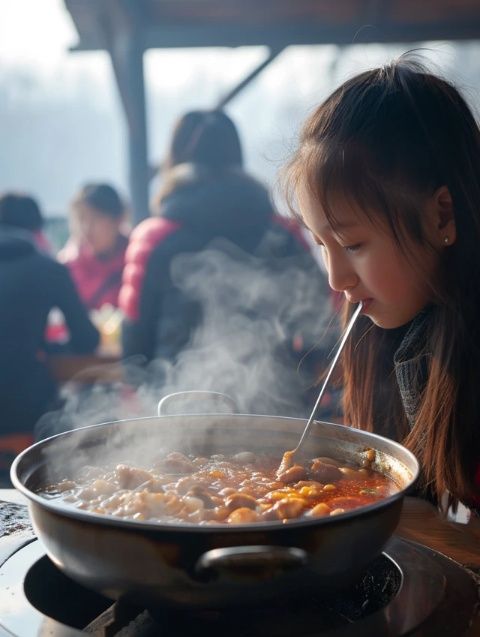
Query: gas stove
{"x": 407, "y": 590}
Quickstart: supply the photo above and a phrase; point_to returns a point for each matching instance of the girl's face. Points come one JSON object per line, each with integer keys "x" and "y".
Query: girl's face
{"x": 98, "y": 231}
{"x": 365, "y": 262}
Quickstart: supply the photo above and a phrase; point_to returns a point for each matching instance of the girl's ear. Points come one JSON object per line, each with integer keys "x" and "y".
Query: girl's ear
{"x": 441, "y": 218}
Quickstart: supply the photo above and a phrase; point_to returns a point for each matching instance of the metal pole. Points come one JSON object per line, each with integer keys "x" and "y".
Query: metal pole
{"x": 231, "y": 94}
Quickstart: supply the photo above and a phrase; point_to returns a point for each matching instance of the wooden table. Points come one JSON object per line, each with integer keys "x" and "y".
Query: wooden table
{"x": 86, "y": 368}
{"x": 421, "y": 523}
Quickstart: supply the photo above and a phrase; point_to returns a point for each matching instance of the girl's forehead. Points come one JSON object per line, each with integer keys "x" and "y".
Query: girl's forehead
{"x": 86, "y": 212}
{"x": 81, "y": 209}
{"x": 342, "y": 213}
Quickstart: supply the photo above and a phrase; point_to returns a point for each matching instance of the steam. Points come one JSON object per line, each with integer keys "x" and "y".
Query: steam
{"x": 249, "y": 315}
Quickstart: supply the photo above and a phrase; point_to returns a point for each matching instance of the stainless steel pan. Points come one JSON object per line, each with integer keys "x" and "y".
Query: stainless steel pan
{"x": 207, "y": 566}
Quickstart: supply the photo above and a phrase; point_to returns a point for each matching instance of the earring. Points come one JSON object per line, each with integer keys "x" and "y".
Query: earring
{"x": 446, "y": 240}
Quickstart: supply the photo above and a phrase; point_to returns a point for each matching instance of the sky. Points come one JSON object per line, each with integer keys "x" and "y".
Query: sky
{"x": 34, "y": 32}
{"x": 61, "y": 122}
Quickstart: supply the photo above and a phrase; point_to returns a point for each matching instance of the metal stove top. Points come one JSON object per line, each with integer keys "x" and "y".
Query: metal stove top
{"x": 408, "y": 590}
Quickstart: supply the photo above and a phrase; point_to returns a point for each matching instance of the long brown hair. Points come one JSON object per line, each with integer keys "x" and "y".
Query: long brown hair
{"x": 387, "y": 140}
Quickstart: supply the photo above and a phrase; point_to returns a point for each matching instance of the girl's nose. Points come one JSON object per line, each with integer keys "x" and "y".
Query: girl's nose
{"x": 341, "y": 275}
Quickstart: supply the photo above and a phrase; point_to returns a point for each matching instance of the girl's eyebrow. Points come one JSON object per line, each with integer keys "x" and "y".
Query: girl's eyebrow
{"x": 341, "y": 225}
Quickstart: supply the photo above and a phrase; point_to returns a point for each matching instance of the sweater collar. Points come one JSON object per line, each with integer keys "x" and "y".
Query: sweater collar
{"x": 411, "y": 363}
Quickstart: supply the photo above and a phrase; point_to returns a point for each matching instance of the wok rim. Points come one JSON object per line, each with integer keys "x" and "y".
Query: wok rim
{"x": 56, "y": 506}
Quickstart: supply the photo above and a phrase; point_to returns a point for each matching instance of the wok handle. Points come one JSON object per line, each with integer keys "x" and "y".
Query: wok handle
{"x": 249, "y": 563}
{"x": 186, "y": 402}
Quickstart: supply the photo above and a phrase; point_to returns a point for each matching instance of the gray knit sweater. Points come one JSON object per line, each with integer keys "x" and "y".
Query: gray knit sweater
{"x": 411, "y": 364}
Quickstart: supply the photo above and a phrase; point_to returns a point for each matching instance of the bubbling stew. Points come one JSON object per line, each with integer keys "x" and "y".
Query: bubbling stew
{"x": 226, "y": 489}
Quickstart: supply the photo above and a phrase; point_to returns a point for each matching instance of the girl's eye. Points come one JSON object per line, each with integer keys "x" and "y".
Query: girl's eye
{"x": 353, "y": 248}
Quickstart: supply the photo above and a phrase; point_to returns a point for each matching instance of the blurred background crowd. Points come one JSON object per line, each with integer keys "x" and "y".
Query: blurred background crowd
{"x": 105, "y": 307}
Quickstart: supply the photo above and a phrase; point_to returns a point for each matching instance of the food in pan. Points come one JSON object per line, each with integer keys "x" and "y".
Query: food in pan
{"x": 243, "y": 488}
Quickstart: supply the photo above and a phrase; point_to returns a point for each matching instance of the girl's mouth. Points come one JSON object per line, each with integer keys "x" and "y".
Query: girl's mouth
{"x": 365, "y": 305}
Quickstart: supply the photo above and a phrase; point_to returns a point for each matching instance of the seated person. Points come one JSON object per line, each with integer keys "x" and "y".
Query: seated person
{"x": 95, "y": 252}
{"x": 22, "y": 211}
{"x": 216, "y": 269}
{"x": 31, "y": 285}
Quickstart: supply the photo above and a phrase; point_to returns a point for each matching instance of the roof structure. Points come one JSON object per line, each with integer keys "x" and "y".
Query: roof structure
{"x": 127, "y": 28}
{"x": 275, "y": 23}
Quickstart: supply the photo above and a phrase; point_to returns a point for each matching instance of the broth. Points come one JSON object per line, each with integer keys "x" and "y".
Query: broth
{"x": 225, "y": 489}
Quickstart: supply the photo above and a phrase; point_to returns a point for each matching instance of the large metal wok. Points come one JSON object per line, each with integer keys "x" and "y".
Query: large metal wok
{"x": 215, "y": 565}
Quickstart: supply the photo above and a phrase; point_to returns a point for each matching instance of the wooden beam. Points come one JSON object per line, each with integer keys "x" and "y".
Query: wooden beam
{"x": 361, "y": 32}
{"x": 251, "y": 76}
{"x": 279, "y": 23}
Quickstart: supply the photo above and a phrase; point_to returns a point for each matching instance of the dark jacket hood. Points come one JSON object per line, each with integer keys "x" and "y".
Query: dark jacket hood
{"x": 226, "y": 203}
{"x": 15, "y": 244}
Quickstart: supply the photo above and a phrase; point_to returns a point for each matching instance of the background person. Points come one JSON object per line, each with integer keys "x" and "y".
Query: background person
{"x": 95, "y": 252}
{"x": 22, "y": 211}
{"x": 210, "y": 269}
{"x": 31, "y": 284}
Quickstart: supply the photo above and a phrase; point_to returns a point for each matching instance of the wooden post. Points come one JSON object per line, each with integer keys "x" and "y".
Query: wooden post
{"x": 126, "y": 51}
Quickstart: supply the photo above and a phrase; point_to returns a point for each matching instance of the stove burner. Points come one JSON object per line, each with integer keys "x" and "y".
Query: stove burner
{"x": 406, "y": 587}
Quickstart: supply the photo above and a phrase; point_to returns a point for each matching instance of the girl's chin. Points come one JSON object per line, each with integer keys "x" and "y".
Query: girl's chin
{"x": 384, "y": 319}
{"x": 388, "y": 323}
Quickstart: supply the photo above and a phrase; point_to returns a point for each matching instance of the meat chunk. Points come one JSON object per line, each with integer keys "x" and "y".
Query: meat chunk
{"x": 240, "y": 500}
{"x": 287, "y": 462}
{"x": 177, "y": 462}
{"x": 288, "y": 508}
{"x": 323, "y": 472}
{"x": 293, "y": 474}
{"x": 131, "y": 477}
{"x": 242, "y": 516}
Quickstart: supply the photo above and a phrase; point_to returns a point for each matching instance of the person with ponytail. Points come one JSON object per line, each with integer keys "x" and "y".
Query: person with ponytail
{"x": 215, "y": 272}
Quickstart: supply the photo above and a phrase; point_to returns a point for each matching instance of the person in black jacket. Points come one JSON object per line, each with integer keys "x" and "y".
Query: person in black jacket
{"x": 211, "y": 281}
{"x": 31, "y": 284}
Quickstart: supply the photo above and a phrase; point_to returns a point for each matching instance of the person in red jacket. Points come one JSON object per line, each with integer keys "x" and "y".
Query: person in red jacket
{"x": 96, "y": 251}
{"x": 216, "y": 283}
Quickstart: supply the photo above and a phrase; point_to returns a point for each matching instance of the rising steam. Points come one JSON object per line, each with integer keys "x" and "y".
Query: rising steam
{"x": 250, "y": 315}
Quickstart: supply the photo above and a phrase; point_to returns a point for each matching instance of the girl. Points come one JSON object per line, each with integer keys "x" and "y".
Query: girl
{"x": 387, "y": 179}
{"x": 96, "y": 251}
